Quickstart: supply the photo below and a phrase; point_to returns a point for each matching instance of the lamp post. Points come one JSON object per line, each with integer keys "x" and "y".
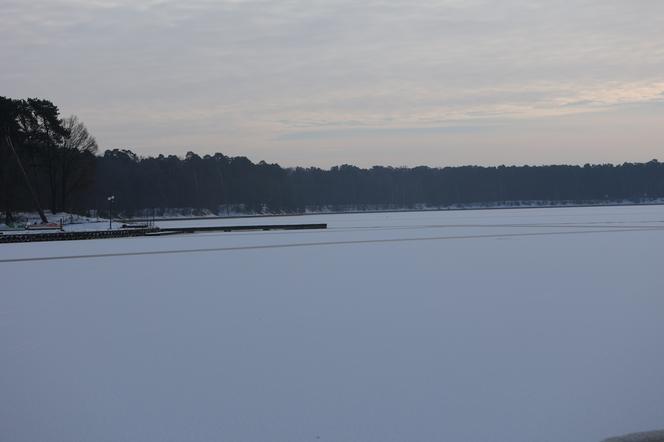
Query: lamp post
{"x": 110, "y": 211}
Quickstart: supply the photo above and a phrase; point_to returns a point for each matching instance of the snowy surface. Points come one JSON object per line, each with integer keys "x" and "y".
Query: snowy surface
{"x": 495, "y": 325}
{"x": 69, "y": 223}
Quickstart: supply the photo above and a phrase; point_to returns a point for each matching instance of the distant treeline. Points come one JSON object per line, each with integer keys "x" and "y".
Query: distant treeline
{"x": 68, "y": 176}
{"x": 214, "y": 181}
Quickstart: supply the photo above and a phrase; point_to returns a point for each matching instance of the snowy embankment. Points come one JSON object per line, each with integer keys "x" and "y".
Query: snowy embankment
{"x": 518, "y": 204}
{"x": 502, "y": 325}
{"x": 69, "y": 223}
{"x": 240, "y": 210}
{"x": 74, "y": 222}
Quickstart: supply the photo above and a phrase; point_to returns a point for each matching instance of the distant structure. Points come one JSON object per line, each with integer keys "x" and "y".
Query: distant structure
{"x": 651, "y": 436}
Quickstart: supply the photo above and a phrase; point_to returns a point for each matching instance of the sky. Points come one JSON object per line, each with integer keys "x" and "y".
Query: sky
{"x": 320, "y": 83}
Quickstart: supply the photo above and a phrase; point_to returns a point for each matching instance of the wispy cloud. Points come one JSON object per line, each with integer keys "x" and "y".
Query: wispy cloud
{"x": 248, "y": 76}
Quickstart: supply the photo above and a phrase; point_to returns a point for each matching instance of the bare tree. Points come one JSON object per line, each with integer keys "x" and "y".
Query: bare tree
{"x": 76, "y": 159}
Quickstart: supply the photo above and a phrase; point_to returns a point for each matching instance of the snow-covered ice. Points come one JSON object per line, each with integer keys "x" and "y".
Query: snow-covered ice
{"x": 491, "y": 325}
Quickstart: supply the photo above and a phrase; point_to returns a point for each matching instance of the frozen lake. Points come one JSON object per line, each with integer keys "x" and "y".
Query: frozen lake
{"x": 492, "y": 325}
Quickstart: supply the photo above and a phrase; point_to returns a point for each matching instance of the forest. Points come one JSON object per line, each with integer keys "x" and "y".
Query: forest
{"x": 60, "y": 168}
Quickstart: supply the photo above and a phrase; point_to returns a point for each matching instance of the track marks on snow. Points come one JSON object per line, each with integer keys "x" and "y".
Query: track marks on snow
{"x": 327, "y": 243}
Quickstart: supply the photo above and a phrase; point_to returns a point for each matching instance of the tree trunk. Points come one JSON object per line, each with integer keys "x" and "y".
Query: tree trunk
{"x": 35, "y": 200}
{"x": 64, "y": 190}
{"x": 9, "y": 219}
{"x": 52, "y": 182}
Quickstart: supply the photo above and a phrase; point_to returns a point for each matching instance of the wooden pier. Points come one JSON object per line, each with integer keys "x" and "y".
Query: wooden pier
{"x": 73, "y": 236}
{"x": 151, "y": 231}
{"x": 242, "y": 228}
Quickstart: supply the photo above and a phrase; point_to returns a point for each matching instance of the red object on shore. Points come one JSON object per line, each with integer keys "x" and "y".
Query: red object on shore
{"x": 44, "y": 226}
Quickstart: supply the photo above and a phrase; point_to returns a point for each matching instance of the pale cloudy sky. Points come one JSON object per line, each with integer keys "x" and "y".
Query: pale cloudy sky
{"x": 311, "y": 82}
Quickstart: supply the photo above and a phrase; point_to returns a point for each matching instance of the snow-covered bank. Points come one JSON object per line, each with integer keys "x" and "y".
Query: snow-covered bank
{"x": 67, "y": 221}
{"x": 240, "y": 210}
{"x": 482, "y": 205}
{"x": 27, "y": 218}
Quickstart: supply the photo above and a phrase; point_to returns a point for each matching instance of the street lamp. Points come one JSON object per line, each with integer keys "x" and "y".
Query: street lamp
{"x": 110, "y": 211}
